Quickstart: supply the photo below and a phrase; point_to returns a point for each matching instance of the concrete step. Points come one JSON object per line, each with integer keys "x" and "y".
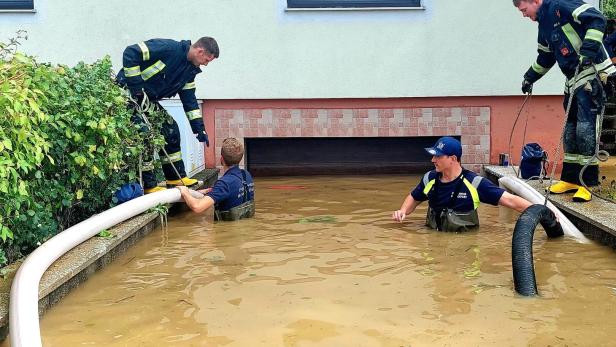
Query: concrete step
{"x": 596, "y": 218}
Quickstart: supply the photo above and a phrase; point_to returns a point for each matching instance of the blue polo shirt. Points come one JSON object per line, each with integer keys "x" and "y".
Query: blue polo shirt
{"x": 228, "y": 191}
{"x": 467, "y": 200}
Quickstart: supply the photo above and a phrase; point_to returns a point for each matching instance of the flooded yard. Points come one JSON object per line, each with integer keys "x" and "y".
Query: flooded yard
{"x": 322, "y": 264}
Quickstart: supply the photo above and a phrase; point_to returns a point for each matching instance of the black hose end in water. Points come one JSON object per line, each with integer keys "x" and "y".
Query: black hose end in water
{"x": 522, "y": 245}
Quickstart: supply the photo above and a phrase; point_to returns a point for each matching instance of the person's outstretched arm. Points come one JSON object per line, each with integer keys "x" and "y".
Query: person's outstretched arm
{"x": 520, "y": 204}
{"x": 514, "y": 202}
{"x": 408, "y": 206}
{"x": 196, "y": 205}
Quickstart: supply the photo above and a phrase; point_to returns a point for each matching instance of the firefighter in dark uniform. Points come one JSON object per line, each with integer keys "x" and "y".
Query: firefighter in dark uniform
{"x": 571, "y": 34}
{"x": 162, "y": 68}
{"x": 233, "y": 194}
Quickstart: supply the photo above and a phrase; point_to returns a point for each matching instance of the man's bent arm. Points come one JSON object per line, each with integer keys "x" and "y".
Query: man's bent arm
{"x": 196, "y": 205}
{"x": 514, "y": 202}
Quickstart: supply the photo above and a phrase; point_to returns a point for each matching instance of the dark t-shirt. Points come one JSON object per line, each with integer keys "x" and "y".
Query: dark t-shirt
{"x": 487, "y": 191}
{"x": 228, "y": 191}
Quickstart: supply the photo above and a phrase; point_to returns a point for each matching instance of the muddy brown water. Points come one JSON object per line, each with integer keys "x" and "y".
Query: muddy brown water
{"x": 324, "y": 265}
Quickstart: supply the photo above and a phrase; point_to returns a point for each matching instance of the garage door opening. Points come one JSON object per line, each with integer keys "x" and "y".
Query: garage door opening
{"x": 338, "y": 155}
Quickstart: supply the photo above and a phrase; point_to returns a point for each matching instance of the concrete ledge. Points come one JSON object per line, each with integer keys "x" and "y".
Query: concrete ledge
{"x": 596, "y": 218}
{"x": 79, "y": 264}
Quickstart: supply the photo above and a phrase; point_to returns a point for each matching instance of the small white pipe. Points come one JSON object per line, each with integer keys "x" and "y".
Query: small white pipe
{"x": 24, "y": 329}
{"x": 529, "y": 193}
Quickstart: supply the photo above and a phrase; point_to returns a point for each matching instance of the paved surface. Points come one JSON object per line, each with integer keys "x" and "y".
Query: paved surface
{"x": 596, "y": 218}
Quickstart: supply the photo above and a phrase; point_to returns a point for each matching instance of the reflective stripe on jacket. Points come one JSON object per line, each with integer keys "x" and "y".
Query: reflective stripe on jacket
{"x": 569, "y": 29}
{"x": 429, "y": 180}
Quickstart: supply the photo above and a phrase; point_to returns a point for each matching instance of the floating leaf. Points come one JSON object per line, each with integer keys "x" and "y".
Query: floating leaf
{"x": 318, "y": 219}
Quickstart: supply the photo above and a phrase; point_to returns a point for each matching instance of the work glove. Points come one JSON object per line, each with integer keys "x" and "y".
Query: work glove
{"x": 609, "y": 85}
{"x": 585, "y": 62}
{"x": 199, "y": 130}
{"x": 202, "y": 137}
{"x": 137, "y": 96}
{"x": 527, "y": 86}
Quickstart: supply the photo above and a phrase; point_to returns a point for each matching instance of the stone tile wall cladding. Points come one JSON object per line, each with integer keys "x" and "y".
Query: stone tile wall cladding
{"x": 471, "y": 123}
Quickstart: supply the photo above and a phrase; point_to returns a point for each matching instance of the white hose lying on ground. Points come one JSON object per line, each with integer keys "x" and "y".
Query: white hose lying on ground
{"x": 529, "y": 193}
{"x": 24, "y": 326}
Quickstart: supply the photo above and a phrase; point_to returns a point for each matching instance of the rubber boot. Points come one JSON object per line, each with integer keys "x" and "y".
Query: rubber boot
{"x": 563, "y": 187}
{"x": 184, "y": 181}
{"x": 582, "y": 195}
{"x": 154, "y": 189}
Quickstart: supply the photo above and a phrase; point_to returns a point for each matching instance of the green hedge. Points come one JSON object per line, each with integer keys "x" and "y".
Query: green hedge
{"x": 609, "y": 8}
{"x": 66, "y": 144}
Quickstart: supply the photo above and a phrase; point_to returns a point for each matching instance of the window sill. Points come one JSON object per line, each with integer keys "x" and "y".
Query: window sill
{"x": 17, "y": 11}
{"x": 294, "y": 9}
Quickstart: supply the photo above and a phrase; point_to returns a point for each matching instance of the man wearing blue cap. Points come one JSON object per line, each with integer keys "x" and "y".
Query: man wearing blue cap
{"x": 454, "y": 193}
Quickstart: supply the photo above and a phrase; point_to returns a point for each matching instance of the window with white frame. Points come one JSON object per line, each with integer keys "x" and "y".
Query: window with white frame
{"x": 16, "y": 5}
{"x": 353, "y": 4}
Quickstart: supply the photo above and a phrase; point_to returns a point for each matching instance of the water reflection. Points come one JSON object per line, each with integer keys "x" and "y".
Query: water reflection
{"x": 325, "y": 266}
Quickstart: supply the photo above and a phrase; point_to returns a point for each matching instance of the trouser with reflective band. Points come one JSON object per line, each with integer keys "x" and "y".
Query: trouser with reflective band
{"x": 171, "y": 133}
{"x": 581, "y": 134}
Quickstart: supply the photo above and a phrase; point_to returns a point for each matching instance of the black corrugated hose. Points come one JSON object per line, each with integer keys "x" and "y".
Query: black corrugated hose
{"x": 522, "y": 246}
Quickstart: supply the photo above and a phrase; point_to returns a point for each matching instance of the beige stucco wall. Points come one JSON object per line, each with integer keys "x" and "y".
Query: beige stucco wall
{"x": 452, "y": 48}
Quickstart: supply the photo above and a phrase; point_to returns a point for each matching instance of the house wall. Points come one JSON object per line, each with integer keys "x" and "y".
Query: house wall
{"x": 484, "y": 123}
{"x": 451, "y": 57}
{"x": 452, "y": 48}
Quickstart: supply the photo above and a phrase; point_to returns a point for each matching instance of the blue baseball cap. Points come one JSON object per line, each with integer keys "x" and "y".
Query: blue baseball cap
{"x": 446, "y": 146}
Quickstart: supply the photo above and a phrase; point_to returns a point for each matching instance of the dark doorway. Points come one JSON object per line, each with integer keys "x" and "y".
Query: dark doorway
{"x": 338, "y": 155}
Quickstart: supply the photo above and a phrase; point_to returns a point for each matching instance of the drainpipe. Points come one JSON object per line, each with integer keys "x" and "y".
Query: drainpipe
{"x": 24, "y": 329}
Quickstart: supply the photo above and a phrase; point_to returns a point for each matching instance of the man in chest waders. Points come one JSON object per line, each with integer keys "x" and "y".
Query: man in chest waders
{"x": 233, "y": 194}
{"x": 571, "y": 34}
{"x": 454, "y": 193}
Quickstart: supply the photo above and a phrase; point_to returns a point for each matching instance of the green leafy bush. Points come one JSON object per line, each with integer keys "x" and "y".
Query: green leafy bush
{"x": 609, "y": 8}
{"x": 66, "y": 144}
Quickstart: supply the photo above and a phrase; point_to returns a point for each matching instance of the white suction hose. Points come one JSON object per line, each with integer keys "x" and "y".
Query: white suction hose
{"x": 24, "y": 326}
{"x": 524, "y": 190}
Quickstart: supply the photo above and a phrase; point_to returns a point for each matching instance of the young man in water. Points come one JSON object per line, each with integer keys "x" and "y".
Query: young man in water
{"x": 233, "y": 194}
{"x": 454, "y": 193}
